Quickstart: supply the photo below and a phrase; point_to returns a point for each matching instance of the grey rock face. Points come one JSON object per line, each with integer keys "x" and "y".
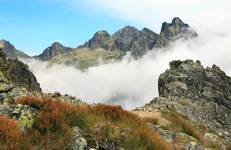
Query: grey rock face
{"x": 8, "y": 49}
{"x": 52, "y": 51}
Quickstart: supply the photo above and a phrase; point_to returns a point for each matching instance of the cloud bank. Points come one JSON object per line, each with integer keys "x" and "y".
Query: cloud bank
{"x": 132, "y": 83}
{"x": 210, "y": 14}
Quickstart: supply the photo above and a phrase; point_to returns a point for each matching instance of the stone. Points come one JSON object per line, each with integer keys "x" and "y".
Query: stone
{"x": 5, "y": 110}
{"x": 25, "y": 115}
{"x": 194, "y": 146}
{"x": 80, "y": 143}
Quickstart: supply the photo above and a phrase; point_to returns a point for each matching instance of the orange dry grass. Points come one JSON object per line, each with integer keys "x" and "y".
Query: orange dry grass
{"x": 112, "y": 113}
{"x": 31, "y": 101}
{"x": 180, "y": 124}
{"x": 10, "y": 135}
{"x": 53, "y": 129}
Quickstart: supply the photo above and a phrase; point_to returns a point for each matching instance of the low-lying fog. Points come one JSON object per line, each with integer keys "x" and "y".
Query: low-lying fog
{"x": 131, "y": 83}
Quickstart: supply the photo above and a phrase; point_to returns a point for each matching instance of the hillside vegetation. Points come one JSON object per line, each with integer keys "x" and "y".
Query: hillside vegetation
{"x": 58, "y": 123}
{"x": 83, "y": 58}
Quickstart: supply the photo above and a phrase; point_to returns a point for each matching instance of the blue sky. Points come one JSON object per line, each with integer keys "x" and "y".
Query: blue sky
{"x": 33, "y": 25}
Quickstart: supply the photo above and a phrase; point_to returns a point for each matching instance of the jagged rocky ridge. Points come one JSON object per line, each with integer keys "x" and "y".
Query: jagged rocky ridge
{"x": 106, "y": 47}
{"x": 103, "y": 47}
{"x": 130, "y": 39}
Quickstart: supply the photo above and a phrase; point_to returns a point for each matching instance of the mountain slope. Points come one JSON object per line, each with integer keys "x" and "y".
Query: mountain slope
{"x": 83, "y": 58}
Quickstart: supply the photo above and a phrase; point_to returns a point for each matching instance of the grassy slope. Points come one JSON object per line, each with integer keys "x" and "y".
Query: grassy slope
{"x": 54, "y": 127}
{"x": 83, "y": 58}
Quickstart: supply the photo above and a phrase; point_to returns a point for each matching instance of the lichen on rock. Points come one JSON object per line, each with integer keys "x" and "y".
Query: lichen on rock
{"x": 25, "y": 115}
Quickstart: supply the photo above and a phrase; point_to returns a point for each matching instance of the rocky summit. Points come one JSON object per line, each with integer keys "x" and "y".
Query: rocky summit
{"x": 188, "y": 79}
{"x": 201, "y": 95}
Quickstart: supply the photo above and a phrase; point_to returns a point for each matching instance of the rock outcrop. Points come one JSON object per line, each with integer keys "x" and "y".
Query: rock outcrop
{"x": 15, "y": 81}
{"x": 190, "y": 80}
{"x": 54, "y": 50}
{"x": 200, "y": 94}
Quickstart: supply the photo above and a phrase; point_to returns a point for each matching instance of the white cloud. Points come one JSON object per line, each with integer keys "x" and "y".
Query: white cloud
{"x": 151, "y": 13}
{"x": 131, "y": 83}
{"x": 134, "y": 83}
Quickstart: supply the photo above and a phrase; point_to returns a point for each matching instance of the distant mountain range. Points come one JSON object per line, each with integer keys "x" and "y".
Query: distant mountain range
{"x": 109, "y": 47}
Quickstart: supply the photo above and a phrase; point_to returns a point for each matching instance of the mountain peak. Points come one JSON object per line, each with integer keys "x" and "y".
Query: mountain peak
{"x": 177, "y": 29}
{"x": 57, "y": 45}
{"x": 101, "y": 39}
{"x": 8, "y": 49}
{"x": 126, "y": 31}
{"x": 55, "y": 49}
{"x": 177, "y": 20}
